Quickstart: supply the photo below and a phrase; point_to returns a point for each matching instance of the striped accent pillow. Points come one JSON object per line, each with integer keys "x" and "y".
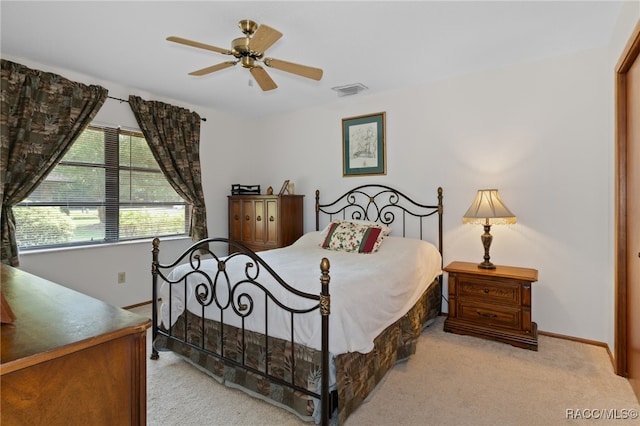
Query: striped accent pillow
{"x": 352, "y": 237}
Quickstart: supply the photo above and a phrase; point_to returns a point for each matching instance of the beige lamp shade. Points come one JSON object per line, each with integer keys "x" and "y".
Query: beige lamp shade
{"x": 488, "y": 209}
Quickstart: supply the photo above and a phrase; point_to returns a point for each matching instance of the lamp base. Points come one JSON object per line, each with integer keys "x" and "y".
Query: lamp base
{"x": 486, "y": 242}
{"x": 486, "y": 265}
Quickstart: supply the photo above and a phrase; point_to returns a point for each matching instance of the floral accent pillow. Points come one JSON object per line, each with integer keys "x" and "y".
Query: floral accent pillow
{"x": 352, "y": 237}
{"x": 386, "y": 230}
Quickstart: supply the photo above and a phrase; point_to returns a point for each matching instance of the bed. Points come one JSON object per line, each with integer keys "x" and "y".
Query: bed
{"x": 315, "y": 326}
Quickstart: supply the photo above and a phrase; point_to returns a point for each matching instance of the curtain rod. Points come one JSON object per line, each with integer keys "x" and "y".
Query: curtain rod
{"x": 124, "y": 100}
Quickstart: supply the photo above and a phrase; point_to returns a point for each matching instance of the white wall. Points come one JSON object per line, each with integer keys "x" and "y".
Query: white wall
{"x": 538, "y": 132}
{"x": 541, "y": 133}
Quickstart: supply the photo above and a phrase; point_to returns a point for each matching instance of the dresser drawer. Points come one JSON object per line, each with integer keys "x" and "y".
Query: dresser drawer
{"x": 490, "y": 315}
{"x": 504, "y": 292}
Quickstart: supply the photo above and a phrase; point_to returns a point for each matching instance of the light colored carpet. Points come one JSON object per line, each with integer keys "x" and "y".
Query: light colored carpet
{"x": 451, "y": 380}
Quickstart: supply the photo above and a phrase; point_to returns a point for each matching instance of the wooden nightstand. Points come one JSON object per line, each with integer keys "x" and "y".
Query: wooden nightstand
{"x": 492, "y": 303}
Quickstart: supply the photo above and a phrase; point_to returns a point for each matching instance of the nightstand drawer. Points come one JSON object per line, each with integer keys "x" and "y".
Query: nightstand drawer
{"x": 505, "y": 292}
{"x": 490, "y": 315}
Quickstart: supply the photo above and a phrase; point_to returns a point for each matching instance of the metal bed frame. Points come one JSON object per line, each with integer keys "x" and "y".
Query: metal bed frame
{"x": 378, "y": 203}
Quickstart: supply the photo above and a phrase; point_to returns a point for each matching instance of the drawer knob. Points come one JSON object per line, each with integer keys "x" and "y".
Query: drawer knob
{"x": 486, "y": 315}
{"x": 259, "y": 218}
{"x": 486, "y": 291}
{"x": 247, "y": 217}
{"x": 271, "y": 218}
{"x": 236, "y": 217}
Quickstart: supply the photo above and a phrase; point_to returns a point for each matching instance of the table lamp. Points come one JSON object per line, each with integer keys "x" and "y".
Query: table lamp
{"x": 488, "y": 209}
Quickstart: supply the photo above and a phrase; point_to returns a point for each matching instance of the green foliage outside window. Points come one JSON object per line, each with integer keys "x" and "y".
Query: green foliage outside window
{"x": 53, "y": 227}
{"x": 134, "y": 222}
{"x": 105, "y": 170}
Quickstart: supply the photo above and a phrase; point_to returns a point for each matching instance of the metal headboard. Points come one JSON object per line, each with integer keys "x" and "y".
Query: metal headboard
{"x": 380, "y": 203}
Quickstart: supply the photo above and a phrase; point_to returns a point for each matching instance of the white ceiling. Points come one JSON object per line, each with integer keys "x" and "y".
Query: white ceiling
{"x": 383, "y": 45}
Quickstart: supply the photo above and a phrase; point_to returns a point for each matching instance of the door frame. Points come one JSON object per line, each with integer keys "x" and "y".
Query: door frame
{"x": 630, "y": 54}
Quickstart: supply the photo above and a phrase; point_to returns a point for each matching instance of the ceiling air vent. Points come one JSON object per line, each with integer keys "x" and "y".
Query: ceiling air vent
{"x": 350, "y": 89}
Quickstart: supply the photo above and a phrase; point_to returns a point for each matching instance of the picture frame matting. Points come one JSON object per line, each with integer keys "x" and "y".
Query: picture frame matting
{"x": 364, "y": 145}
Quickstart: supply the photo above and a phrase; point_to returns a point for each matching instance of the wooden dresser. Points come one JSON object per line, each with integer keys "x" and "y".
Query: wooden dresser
{"x": 69, "y": 359}
{"x": 263, "y": 222}
{"x": 492, "y": 303}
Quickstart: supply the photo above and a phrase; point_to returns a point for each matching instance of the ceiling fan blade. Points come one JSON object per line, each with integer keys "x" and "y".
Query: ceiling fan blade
{"x": 264, "y": 81}
{"x": 198, "y": 45}
{"x": 301, "y": 70}
{"x": 214, "y": 68}
{"x": 263, "y": 38}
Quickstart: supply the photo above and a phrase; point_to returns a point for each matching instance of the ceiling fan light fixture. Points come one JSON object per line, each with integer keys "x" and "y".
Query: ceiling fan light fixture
{"x": 248, "y": 62}
{"x": 349, "y": 89}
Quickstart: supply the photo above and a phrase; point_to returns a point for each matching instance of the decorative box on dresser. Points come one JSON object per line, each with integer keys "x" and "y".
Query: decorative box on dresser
{"x": 264, "y": 222}
{"x": 69, "y": 359}
{"x": 492, "y": 303}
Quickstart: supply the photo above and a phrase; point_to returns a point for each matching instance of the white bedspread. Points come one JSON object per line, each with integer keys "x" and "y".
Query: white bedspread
{"x": 368, "y": 291}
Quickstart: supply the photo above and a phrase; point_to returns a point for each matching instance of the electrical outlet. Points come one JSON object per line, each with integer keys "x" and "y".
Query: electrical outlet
{"x": 122, "y": 277}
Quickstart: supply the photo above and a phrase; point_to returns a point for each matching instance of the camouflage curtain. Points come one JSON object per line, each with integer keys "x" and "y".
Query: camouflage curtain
{"x": 41, "y": 115}
{"x": 173, "y": 134}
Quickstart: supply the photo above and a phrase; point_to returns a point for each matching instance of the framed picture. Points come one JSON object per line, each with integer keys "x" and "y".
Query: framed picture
{"x": 284, "y": 188}
{"x": 363, "y": 145}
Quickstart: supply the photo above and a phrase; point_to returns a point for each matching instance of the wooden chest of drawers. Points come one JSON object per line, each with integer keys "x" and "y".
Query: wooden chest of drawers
{"x": 69, "y": 359}
{"x": 263, "y": 222}
{"x": 492, "y": 303}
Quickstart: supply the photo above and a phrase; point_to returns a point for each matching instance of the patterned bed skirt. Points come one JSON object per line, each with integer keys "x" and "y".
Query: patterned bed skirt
{"x": 356, "y": 374}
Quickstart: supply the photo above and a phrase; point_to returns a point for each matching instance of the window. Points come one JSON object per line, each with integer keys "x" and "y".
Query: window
{"x": 107, "y": 188}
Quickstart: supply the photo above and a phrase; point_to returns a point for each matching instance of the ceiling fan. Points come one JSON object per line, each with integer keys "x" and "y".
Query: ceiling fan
{"x": 250, "y": 49}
